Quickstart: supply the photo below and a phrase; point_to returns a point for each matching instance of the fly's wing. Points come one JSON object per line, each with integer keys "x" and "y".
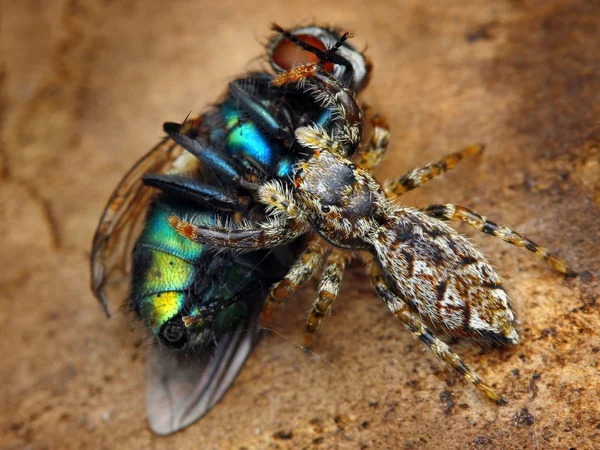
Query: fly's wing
{"x": 183, "y": 387}
{"x": 123, "y": 218}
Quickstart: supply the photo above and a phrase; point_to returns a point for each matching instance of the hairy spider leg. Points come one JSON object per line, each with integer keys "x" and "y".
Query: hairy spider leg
{"x": 419, "y": 330}
{"x": 268, "y": 234}
{"x": 326, "y": 90}
{"x": 309, "y": 262}
{"x": 449, "y": 211}
{"x": 328, "y": 290}
{"x": 372, "y": 156}
{"x": 421, "y": 175}
{"x": 284, "y": 225}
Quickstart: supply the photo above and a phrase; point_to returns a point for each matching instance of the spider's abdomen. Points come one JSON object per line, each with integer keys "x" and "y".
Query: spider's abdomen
{"x": 443, "y": 277}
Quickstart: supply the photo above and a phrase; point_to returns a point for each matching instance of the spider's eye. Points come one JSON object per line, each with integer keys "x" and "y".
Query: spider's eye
{"x": 287, "y": 54}
{"x": 325, "y": 209}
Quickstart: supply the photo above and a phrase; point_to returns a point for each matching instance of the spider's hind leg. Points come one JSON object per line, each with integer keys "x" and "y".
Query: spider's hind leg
{"x": 418, "y": 329}
{"x": 448, "y": 212}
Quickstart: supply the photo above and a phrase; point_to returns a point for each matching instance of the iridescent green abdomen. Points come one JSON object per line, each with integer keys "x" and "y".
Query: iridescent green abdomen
{"x": 175, "y": 277}
{"x": 164, "y": 269}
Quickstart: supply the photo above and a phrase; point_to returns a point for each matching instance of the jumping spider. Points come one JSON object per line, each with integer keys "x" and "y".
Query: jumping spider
{"x": 421, "y": 268}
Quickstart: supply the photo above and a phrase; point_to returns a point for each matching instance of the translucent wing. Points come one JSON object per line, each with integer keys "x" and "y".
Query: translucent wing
{"x": 182, "y": 387}
{"x": 123, "y": 218}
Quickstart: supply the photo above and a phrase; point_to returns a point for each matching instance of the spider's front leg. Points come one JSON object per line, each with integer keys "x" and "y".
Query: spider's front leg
{"x": 283, "y": 226}
{"x": 333, "y": 96}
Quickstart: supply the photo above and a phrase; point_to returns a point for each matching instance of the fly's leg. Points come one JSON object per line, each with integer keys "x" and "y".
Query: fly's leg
{"x": 210, "y": 313}
{"x": 256, "y": 110}
{"x": 418, "y": 329}
{"x": 378, "y": 145}
{"x": 191, "y": 189}
{"x": 448, "y": 212}
{"x": 303, "y": 270}
{"x": 333, "y": 96}
{"x": 329, "y": 288}
{"x": 217, "y": 160}
{"x": 422, "y": 175}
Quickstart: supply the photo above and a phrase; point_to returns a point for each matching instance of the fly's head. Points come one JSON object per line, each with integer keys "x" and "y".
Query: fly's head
{"x": 341, "y": 200}
{"x": 310, "y": 44}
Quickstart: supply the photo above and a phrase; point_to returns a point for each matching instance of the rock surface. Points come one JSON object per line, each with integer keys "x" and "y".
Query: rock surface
{"x": 85, "y": 87}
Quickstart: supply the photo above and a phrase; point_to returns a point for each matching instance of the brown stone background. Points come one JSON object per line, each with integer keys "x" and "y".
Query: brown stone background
{"x": 85, "y": 87}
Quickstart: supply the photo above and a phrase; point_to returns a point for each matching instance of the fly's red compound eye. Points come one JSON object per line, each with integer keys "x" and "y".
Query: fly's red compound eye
{"x": 288, "y": 55}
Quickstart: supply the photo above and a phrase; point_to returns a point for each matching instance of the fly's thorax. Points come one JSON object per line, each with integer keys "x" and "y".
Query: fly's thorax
{"x": 342, "y": 201}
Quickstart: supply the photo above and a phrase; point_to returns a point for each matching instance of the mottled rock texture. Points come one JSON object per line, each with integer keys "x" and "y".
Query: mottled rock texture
{"x": 85, "y": 87}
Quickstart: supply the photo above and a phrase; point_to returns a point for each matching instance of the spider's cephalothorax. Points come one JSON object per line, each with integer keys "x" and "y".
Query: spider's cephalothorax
{"x": 341, "y": 200}
{"x": 421, "y": 268}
